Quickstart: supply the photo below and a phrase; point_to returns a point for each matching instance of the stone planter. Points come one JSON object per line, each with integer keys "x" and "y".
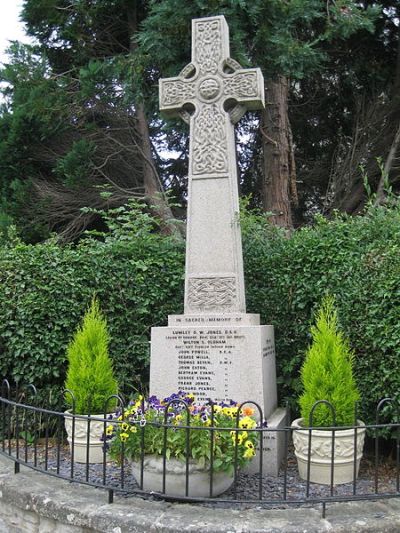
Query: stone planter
{"x": 175, "y": 477}
{"x": 80, "y": 437}
{"x": 321, "y": 453}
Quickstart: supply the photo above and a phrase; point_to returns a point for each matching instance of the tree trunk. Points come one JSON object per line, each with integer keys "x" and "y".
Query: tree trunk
{"x": 395, "y": 145}
{"x": 279, "y": 185}
{"x": 151, "y": 181}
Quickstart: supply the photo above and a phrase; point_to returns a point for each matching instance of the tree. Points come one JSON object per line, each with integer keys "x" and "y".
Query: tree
{"x": 338, "y": 114}
{"x": 286, "y": 39}
{"x": 93, "y": 131}
{"x": 83, "y": 106}
{"x": 367, "y": 158}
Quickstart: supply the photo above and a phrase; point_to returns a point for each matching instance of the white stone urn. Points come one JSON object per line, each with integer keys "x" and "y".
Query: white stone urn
{"x": 321, "y": 453}
{"x": 175, "y": 477}
{"x": 80, "y": 437}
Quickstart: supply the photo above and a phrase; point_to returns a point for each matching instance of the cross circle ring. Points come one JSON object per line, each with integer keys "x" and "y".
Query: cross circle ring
{"x": 209, "y": 89}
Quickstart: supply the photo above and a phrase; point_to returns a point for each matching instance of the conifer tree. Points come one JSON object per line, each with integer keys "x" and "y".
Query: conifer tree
{"x": 327, "y": 372}
{"x": 90, "y": 375}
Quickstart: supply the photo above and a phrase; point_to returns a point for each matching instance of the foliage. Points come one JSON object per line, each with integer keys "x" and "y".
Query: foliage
{"x": 137, "y": 274}
{"x": 293, "y": 32}
{"x": 69, "y": 118}
{"x": 357, "y": 260}
{"x": 327, "y": 373}
{"x": 146, "y": 419}
{"x": 90, "y": 376}
{"x": 29, "y": 438}
{"x": 45, "y": 289}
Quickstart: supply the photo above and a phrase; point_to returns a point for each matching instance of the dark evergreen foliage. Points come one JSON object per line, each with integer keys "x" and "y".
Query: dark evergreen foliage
{"x": 70, "y": 97}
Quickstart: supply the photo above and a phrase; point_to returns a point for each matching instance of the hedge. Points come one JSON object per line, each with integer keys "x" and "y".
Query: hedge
{"x": 357, "y": 260}
{"x": 137, "y": 274}
{"x": 46, "y": 288}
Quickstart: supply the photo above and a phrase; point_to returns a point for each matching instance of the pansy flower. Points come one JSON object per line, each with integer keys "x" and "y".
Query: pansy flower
{"x": 124, "y": 437}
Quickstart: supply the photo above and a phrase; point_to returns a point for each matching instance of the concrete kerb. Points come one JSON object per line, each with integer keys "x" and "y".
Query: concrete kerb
{"x": 31, "y": 502}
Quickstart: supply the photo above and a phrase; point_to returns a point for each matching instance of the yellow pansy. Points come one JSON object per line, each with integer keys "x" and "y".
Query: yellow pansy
{"x": 177, "y": 419}
{"x": 124, "y": 437}
{"x": 109, "y": 430}
{"x": 248, "y": 454}
{"x": 249, "y": 445}
{"x": 247, "y": 423}
{"x": 133, "y": 429}
{"x": 240, "y": 438}
{"x": 124, "y": 426}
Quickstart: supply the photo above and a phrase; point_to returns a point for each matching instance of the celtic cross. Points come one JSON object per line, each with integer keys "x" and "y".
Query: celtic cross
{"x": 211, "y": 94}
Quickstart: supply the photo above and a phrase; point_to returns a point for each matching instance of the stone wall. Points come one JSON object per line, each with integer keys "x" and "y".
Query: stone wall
{"x": 31, "y": 502}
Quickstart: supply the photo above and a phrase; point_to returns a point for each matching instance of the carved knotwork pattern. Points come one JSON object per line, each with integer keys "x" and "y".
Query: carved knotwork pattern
{"x": 242, "y": 85}
{"x": 210, "y": 148}
{"x": 177, "y": 92}
{"x": 211, "y": 294}
{"x": 208, "y": 51}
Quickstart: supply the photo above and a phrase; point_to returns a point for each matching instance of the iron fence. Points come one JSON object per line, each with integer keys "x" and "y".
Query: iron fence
{"x": 35, "y": 437}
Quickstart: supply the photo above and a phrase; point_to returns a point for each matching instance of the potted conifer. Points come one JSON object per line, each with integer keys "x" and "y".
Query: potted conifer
{"x": 90, "y": 379}
{"x": 327, "y": 374}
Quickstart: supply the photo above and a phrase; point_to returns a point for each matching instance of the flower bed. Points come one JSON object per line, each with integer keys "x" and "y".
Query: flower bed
{"x": 174, "y": 427}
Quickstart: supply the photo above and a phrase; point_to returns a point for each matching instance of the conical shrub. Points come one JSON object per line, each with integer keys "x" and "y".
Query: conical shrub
{"x": 327, "y": 372}
{"x": 90, "y": 374}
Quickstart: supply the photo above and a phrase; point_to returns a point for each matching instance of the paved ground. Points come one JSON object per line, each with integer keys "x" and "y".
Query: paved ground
{"x": 34, "y": 503}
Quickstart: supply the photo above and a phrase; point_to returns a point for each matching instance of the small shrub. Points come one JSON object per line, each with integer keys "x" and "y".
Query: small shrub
{"x": 327, "y": 372}
{"x": 90, "y": 374}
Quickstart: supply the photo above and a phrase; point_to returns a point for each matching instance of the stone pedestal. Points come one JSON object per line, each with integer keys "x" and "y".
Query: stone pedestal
{"x": 222, "y": 357}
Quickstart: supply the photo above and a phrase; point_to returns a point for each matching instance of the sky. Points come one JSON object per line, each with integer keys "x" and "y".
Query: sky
{"x": 10, "y": 26}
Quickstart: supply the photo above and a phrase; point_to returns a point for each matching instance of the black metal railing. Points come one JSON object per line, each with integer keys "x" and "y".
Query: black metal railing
{"x": 35, "y": 437}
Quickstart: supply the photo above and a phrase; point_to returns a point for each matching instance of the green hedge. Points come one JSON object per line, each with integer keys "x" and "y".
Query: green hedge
{"x": 45, "y": 290}
{"x": 138, "y": 276}
{"x": 356, "y": 259}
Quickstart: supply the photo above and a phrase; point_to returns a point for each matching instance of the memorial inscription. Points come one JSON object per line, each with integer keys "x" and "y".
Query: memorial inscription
{"x": 203, "y": 357}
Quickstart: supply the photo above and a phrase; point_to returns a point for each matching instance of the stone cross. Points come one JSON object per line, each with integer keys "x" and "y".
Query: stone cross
{"x": 212, "y": 93}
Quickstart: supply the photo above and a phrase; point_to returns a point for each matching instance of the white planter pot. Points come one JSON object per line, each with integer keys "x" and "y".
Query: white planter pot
{"x": 175, "y": 478}
{"x": 80, "y": 437}
{"x": 321, "y": 453}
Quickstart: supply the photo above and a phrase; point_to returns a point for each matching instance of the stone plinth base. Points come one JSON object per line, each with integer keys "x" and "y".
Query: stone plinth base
{"x": 221, "y": 357}
{"x": 273, "y": 445}
{"x": 221, "y": 362}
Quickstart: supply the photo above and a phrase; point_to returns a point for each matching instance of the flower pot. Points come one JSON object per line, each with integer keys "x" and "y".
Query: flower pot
{"x": 81, "y": 437}
{"x": 175, "y": 477}
{"x": 321, "y": 453}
